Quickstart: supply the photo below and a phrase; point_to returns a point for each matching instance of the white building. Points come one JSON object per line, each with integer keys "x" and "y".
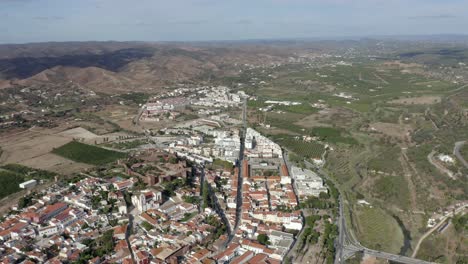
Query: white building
{"x": 48, "y": 231}
{"x": 28, "y": 184}
{"x": 307, "y": 182}
{"x": 147, "y": 200}
{"x": 257, "y": 145}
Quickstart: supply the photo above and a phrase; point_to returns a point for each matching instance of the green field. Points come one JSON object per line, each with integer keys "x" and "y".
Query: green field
{"x": 333, "y": 135}
{"x": 11, "y": 175}
{"x": 130, "y": 144}
{"x": 84, "y": 153}
{"x": 392, "y": 189}
{"x": 9, "y": 183}
{"x": 386, "y": 161}
{"x": 29, "y": 173}
{"x": 306, "y": 150}
{"x": 378, "y": 230}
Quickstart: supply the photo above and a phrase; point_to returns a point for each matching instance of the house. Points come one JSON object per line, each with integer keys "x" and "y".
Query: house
{"x": 243, "y": 258}
{"x": 255, "y": 247}
{"x": 227, "y": 255}
{"x": 120, "y": 232}
{"x": 49, "y": 212}
{"x": 142, "y": 257}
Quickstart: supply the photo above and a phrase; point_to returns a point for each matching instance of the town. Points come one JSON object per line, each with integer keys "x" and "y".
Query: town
{"x": 203, "y": 191}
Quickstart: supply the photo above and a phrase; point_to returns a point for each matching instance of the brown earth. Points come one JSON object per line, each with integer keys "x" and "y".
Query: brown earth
{"x": 32, "y": 148}
{"x": 391, "y": 129}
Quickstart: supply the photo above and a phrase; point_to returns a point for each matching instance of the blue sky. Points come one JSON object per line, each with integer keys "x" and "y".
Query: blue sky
{"x": 179, "y": 20}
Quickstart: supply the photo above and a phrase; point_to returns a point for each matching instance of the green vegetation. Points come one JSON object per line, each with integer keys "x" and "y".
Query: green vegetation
{"x": 103, "y": 245}
{"x": 9, "y": 183}
{"x": 360, "y": 155}
{"x": 84, "y": 153}
{"x": 460, "y": 222}
{"x": 263, "y": 239}
{"x": 222, "y": 164}
{"x": 306, "y": 150}
{"x": 310, "y": 235}
{"x": 218, "y": 227}
{"x": 137, "y": 98}
{"x": 191, "y": 199}
{"x": 188, "y": 216}
{"x": 131, "y": 144}
{"x": 28, "y": 172}
{"x": 333, "y": 135}
{"x": 387, "y": 161}
{"x": 372, "y": 224}
{"x": 434, "y": 249}
{"x": 207, "y": 201}
{"x": 303, "y": 108}
{"x": 147, "y": 226}
{"x": 170, "y": 187}
{"x": 393, "y": 189}
{"x": 11, "y": 175}
{"x": 316, "y": 203}
{"x": 436, "y": 56}
{"x": 329, "y": 235}
{"x": 26, "y": 200}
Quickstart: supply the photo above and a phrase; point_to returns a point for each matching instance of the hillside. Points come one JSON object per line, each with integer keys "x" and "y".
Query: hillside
{"x": 109, "y": 67}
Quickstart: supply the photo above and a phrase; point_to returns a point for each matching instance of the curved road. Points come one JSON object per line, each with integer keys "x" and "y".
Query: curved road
{"x": 456, "y": 152}
{"x": 458, "y": 210}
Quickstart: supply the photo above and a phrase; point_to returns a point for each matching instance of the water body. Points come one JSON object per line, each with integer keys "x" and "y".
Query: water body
{"x": 406, "y": 236}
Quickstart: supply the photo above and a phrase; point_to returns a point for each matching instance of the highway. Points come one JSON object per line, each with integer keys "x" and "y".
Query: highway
{"x": 346, "y": 245}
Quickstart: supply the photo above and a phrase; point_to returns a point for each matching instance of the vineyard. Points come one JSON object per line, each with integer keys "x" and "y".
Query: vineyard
{"x": 84, "y": 153}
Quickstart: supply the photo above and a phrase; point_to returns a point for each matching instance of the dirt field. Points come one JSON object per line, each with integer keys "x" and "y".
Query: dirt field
{"x": 122, "y": 116}
{"x": 422, "y": 100}
{"x": 32, "y": 148}
{"x": 78, "y": 132}
{"x": 390, "y": 129}
{"x": 371, "y": 260}
{"x": 324, "y": 118}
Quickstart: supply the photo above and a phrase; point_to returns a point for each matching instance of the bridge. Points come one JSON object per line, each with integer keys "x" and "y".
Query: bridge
{"x": 347, "y": 246}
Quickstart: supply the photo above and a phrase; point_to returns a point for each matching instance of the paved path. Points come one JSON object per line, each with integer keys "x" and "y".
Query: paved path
{"x": 439, "y": 166}
{"x": 458, "y": 210}
{"x": 456, "y": 152}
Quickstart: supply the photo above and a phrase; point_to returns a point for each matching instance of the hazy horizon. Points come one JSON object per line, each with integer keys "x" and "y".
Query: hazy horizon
{"x": 25, "y": 21}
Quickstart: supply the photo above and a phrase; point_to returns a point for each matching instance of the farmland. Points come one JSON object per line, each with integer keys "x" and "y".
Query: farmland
{"x": 88, "y": 154}
{"x": 381, "y": 120}
{"x": 372, "y": 224}
{"x": 307, "y": 150}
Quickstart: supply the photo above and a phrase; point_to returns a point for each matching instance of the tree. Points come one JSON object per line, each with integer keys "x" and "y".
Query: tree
{"x": 24, "y": 202}
{"x": 263, "y": 239}
{"x": 460, "y": 222}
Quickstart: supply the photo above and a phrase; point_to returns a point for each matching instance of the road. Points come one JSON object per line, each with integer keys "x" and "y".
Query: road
{"x": 347, "y": 245}
{"x": 127, "y": 236}
{"x": 202, "y": 183}
{"x": 292, "y": 249}
{"x": 456, "y": 152}
{"x": 458, "y": 210}
{"x": 136, "y": 119}
{"x": 430, "y": 158}
{"x": 242, "y": 133}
